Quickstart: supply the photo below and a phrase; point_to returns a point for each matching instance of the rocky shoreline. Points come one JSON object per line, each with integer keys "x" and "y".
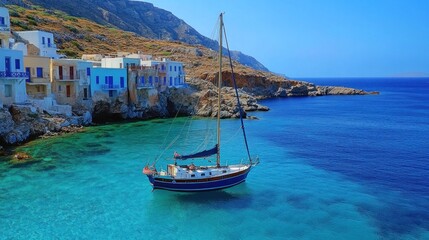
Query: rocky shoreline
{"x": 22, "y": 123}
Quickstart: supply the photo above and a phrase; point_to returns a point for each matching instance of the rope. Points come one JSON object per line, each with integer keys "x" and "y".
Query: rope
{"x": 238, "y": 97}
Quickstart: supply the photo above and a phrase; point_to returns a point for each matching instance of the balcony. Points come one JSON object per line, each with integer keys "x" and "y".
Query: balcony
{"x": 144, "y": 85}
{"x": 7, "y": 74}
{"x": 37, "y": 80}
{"x": 5, "y": 29}
{"x": 49, "y": 45}
{"x": 64, "y": 78}
{"x": 109, "y": 87}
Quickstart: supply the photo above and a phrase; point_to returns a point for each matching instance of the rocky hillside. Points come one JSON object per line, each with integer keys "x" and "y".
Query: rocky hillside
{"x": 139, "y": 17}
{"x": 76, "y": 36}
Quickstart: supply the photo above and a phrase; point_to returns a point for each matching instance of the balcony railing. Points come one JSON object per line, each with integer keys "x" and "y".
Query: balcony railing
{"x": 49, "y": 45}
{"x": 145, "y": 85}
{"x": 109, "y": 86}
{"x": 4, "y": 28}
{"x": 13, "y": 74}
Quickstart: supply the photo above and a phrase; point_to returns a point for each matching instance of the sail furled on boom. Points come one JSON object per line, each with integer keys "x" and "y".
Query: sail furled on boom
{"x": 202, "y": 154}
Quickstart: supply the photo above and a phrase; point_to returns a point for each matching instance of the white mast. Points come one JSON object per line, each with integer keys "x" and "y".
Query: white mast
{"x": 219, "y": 88}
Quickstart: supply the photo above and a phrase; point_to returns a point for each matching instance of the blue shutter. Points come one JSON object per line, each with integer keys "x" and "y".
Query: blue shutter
{"x": 17, "y": 64}
{"x": 122, "y": 82}
{"x": 88, "y": 71}
{"x": 40, "y": 72}
{"x": 97, "y": 79}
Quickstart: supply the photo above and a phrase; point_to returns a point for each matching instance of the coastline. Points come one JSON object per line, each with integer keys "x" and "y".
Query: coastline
{"x": 23, "y": 123}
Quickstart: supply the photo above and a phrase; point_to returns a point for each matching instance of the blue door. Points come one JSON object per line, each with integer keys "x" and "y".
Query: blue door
{"x": 110, "y": 81}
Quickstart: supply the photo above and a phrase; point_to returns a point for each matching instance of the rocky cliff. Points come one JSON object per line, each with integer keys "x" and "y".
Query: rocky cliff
{"x": 20, "y": 123}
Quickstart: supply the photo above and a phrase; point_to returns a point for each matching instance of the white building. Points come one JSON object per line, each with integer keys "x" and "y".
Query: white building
{"x": 12, "y": 72}
{"x": 44, "y": 41}
{"x": 109, "y": 81}
{"x": 171, "y": 73}
{"x": 120, "y": 62}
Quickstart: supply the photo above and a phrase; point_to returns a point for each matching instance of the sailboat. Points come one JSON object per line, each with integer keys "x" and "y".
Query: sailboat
{"x": 192, "y": 178}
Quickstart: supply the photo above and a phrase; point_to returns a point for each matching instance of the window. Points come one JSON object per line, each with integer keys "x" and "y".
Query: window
{"x": 180, "y": 68}
{"x": 175, "y": 69}
{"x": 43, "y": 40}
{"x": 203, "y": 174}
{"x": 8, "y": 90}
{"x": 210, "y": 173}
{"x": 192, "y": 175}
{"x": 39, "y": 72}
{"x": 2, "y": 21}
{"x": 97, "y": 80}
{"x": 88, "y": 71}
{"x": 171, "y": 81}
{"x": 111, "y": 81}
{"x": 59, "y": 88}
{"x": 17, "y": 64}
{"x": 106, "y": 80}
{"x": 120, "y": 65}
{"x": 110, "y": 93}
{"x": 28, "y": 71}
{"x": 171, "y": 69}
{"x": 165, "y": 80}
{"x": 142, "y": 80}
{"x": 150, "y": 80}
{"x": 122, "y": 82}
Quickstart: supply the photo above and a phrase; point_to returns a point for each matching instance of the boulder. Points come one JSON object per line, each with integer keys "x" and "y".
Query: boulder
{"x": 87, "y": 118}
{"x": 17, "y": 135}
{"x": 38, "y": 127}
{"x": 65, "y": 124}
{"x": 6, "y": 121}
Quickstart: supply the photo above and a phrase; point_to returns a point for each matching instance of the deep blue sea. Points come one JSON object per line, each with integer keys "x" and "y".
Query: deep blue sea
{"x": 332, "y": 167}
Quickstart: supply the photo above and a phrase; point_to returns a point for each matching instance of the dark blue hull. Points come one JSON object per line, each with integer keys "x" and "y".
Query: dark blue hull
{"x": 200, "y": 184}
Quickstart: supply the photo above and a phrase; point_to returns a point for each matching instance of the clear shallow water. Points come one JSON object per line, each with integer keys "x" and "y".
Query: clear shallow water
{"x": 336, "y": 167}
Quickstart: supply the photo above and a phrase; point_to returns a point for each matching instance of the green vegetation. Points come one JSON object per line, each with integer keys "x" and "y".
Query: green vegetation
{"x": 166, "y": 53}
{"x": 72, "y": 29}
{"x": 69, "y": 53}
{"x": 20, "y": 24}
{"x": 76, "y": 44}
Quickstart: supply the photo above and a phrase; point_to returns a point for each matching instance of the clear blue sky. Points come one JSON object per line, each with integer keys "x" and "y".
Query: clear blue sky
{"x": 325, "y": 38}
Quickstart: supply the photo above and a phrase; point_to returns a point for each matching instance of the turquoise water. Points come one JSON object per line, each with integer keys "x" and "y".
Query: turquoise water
{"x": 338, "y": 167}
